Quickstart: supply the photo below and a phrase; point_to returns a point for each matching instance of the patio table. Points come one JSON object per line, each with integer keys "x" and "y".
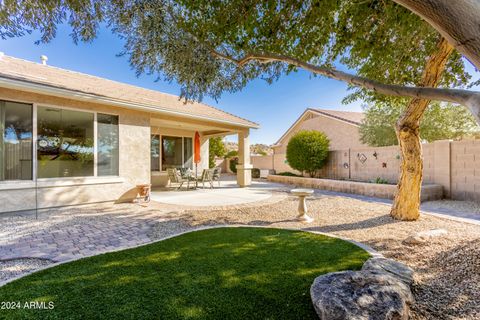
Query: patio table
{"x": 190, "y": 174}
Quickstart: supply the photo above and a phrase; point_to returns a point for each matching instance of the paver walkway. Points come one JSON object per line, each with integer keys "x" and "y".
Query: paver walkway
{"x": 59, "y": 235}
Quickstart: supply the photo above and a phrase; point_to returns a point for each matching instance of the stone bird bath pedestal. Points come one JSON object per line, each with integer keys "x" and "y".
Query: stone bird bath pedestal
{"x": 302, "y": 204}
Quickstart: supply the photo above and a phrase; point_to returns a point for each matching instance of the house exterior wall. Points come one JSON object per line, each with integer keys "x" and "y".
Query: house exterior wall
{"x": 342, "y": 135}
{"x": 134, "y": 161}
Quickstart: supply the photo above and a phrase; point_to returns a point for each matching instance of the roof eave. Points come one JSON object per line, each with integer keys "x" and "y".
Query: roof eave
{"x": 34, "y": 87}
{"x": 354, "y": 123}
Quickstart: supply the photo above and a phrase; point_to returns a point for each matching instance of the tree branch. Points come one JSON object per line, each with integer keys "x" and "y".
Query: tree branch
{"x": 458, "y": 21}
{"x": 470, "y": 99}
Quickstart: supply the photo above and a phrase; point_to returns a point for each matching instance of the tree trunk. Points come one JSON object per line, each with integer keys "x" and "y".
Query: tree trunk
{"x": 456, "y": 20}
{"x": 407, "y": 199}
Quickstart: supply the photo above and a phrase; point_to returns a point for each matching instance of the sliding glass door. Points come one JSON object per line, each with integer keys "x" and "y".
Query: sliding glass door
{"x": 170, "y": 152}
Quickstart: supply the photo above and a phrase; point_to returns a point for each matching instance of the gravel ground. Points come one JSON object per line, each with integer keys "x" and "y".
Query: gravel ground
{"x": 447, "y": 268}
{"x": 16, "y": 267}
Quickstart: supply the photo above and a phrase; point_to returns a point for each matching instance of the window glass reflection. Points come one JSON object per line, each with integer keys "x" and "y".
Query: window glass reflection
{"x": 65, "y": 143}
{"x": 15, "y": 141}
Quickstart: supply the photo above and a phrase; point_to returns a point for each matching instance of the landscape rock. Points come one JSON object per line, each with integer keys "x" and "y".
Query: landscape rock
{"x": 395, "y": 268}
{"x": 361, "y": 295}
{"x": 425, "y": 236}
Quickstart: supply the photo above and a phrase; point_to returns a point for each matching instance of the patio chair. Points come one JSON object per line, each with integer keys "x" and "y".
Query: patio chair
{"x": 174, "y": 176}
{"x": 184, "y": 172}
{"x": 207, "y": 176}
{"x": 216, "y": 175}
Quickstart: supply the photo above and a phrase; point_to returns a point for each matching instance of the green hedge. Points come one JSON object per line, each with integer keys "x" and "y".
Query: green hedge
{"x": 288, "y": 174}
{"x": 233, "y": 164}
{"x": 307, "y": 151}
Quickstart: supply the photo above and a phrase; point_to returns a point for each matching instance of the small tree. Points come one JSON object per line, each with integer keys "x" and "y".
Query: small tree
{"x": 307, "y": 151}
{"x": 440, "y": 121}
{"x": 216, "y": 149}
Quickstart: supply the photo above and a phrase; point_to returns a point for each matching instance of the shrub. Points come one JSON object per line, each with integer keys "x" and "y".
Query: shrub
{"x": 231, "y": 154}
{"x": 307, "y": 151}
{"x": 380, "y": 181}
{"x": 216, "y": 149}
{"x": 288, "y": 174}
{"x": 255, "y": 173}
{"x": 233, "y": 164}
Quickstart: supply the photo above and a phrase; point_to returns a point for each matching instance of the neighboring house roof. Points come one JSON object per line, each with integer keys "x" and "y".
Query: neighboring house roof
{"x": 350, "y": 117}
{"x": 35, "y": 77}
{"x": 347, "y": 116}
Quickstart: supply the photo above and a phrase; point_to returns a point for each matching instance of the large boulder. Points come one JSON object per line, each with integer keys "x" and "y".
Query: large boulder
{"x": 425, "y": 236}
{"x": 365, "y": 294}
{"x": 395, "y": 268}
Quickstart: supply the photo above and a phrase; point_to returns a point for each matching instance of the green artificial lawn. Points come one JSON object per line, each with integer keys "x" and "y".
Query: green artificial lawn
{"x": 222, "y": 273}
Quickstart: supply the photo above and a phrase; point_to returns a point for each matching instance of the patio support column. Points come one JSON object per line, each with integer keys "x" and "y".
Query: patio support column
{"x": 244, "y": 168}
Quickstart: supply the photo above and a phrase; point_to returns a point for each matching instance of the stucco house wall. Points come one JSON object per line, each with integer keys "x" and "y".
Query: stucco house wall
{"x": 134, "y": 162}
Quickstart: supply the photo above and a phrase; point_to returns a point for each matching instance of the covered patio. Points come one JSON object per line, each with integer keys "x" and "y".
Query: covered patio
{"x": 172, "y": 146}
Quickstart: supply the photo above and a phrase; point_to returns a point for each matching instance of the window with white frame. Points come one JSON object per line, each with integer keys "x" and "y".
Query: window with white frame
{"x": 66, "y": 142}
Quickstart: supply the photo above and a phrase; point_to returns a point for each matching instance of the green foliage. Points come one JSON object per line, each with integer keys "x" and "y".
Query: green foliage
{"x": 231, "y": 154}
{"x": 307, "y": 151}
{"x": 255, "y": 173}
{"x": 288, "y": 174}
{"x": 233, "y": 164}
{"x": 440, "y": 121}
{"x": 222, "y": 273}
{"x": 379, "y": 180}
{"x": 18, "y": 18}
{"x": 177, "y": 40}
{"x": 216, "y": 149}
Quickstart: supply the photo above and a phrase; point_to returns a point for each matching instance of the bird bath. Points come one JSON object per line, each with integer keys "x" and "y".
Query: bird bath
{"x": 302, "y": 204}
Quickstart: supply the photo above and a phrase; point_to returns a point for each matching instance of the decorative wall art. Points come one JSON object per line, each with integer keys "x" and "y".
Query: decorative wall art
{"x": 361, "y": 157}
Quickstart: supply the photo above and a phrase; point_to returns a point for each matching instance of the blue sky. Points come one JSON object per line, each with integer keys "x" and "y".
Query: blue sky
{"x": 274, "y": 106}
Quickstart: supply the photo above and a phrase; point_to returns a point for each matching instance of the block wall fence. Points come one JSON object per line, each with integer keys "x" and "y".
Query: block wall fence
{"x": 455, "y": 165}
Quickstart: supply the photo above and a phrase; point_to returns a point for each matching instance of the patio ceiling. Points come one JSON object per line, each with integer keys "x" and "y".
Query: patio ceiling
{"x": 207, "y": 129}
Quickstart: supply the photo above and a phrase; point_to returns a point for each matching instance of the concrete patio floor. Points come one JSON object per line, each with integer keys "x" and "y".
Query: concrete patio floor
{"x": 226, "y": 194}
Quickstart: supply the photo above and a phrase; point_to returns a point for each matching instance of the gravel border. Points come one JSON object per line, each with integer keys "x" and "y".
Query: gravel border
{"x": 16, "y": 268}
